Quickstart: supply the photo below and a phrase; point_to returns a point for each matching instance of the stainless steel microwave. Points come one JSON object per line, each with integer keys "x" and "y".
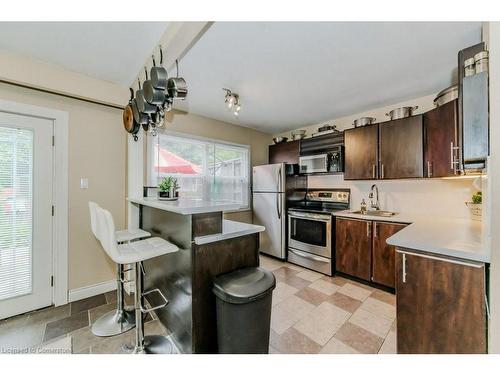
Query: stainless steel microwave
{"x": 322, "y": 163}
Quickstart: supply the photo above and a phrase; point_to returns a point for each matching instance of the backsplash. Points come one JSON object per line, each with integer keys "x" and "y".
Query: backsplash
{"x": 440, "y": 197}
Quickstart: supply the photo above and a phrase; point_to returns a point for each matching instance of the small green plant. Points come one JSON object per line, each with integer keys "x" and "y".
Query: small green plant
{"x": 168, "y": 183}
{"x": 477, "y": 198}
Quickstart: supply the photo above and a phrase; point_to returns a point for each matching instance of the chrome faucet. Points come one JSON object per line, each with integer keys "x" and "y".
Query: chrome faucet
{"x": 375, "y": 205}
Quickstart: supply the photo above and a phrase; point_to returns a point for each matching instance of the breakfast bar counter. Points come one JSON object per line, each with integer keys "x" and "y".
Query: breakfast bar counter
{"x": 208, "y": 246}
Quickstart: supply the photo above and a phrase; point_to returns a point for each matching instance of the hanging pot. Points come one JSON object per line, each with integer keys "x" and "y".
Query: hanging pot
{"x": 152, "y": 94}
{"x": 177, "y": 87}
{"x": 139, "y": 117}
{"x": 142, "y": 103}
{"x": 159, "y": 75}
{"x": 129, "y": 123}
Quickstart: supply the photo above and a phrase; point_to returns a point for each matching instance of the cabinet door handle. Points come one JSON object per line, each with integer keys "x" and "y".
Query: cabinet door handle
{"x": 382, "y": 171}
{"x": 487, "y": 307}
{"x": 404, "y": 268}
{"x": 375, "y": 229}
{"x": 429, "y": 168}
{"x": 374, "y": 170}
{"x": 368, "y": 226}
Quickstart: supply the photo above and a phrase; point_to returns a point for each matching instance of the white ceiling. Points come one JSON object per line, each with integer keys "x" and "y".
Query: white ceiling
{"x": 111, "y": 51}
{"x": 294, "y": 74}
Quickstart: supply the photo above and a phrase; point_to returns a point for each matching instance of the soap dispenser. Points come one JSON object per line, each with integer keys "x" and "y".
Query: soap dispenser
{"x": 363, "y": 206}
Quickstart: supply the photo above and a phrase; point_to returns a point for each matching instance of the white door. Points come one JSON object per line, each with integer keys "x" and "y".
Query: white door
{"x": 26, "y": 177}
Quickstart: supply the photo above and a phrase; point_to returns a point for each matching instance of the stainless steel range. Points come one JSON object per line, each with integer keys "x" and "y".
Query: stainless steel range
{"x": 311, "y": 228}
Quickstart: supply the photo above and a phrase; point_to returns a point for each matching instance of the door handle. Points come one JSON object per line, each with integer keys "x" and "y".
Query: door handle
{"x": 382, "y": 171}
{"x": 279, "y": 179}
{"x": 452, "y": 158}
{"x": 374, "y": 171}
{"x": 278, "y": 209}
{"x": 375, "y": 229}
{"x": 404, "y": 268}
{"x": 368, "y": 231}
{"x": 429, "y": 168}
{"x": 453, "y": 162}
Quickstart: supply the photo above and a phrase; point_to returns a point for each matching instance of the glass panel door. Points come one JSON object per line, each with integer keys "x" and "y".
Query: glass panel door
{"x": 26, "y": 175}
{"x": 16, "y": 211}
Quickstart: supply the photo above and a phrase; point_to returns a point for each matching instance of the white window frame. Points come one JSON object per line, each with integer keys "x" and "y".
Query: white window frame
{"x": 150, "y": 156}
{"x": 60, "y": 191}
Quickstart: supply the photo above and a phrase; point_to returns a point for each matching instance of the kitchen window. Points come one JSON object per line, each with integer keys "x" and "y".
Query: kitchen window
{"x": 205, "y": 168}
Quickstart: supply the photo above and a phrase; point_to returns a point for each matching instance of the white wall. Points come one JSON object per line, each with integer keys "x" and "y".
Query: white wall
{"x": 438, "y": 197}
{"x": 97, "y": 149}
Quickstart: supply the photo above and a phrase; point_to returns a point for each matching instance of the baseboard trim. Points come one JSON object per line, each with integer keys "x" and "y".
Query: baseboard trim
{"x": 91, "y": 290}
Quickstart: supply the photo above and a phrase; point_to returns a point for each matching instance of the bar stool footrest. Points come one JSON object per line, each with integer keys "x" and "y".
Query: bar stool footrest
{"x": 160, "y": 306}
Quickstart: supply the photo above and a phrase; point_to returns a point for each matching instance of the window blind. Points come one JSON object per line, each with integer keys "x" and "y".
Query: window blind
{"x": 16, "y": 212}
{"x": 205, "y": 169}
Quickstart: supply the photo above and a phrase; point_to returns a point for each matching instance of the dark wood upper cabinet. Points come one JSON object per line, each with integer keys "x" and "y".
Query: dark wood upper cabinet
{"x": 287, "y": 152}
{"x": 401, "y": 148}
{"x": 361, "y": 153}
{"x": 440, "y": 305}
{"x": 353, "y": 247}
{"x": 440, "y": 134}
{"x": 384, "y": 255}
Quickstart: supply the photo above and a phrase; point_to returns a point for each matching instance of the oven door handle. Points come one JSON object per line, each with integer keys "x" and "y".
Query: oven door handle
{"x": 308, "y": 256}
{"x": 323, "y": 218}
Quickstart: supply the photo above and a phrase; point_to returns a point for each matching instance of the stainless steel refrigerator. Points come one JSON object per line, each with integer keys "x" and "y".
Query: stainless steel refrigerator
{"x": 272, "y": 184}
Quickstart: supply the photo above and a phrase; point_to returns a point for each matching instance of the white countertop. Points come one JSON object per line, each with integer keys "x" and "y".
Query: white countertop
{"x": 230, "y": 229}
{"x": 460, "y": 238}
{"x": 187, "y": 206}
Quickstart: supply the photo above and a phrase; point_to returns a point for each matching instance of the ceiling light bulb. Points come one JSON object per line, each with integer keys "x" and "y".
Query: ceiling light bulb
{"x": 237, "y": 108}
{"x": 236, "y": 113}
{"x": 229, "y": 104}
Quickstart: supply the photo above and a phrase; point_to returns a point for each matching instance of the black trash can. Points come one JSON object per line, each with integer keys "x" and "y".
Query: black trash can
{"x": 244, "y": 301}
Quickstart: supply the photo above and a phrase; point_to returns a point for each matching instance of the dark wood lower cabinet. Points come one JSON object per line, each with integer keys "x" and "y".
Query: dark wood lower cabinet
{"x": 384, "y": 255}
{"x": 353, "y": 247}
{"x": 362, "y": 251}
{"x": 441, "y": 305}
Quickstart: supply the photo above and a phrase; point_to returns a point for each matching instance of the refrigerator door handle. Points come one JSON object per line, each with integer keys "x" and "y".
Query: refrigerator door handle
{"x": 279, "y": 179}
{"x": 278, "y": 208}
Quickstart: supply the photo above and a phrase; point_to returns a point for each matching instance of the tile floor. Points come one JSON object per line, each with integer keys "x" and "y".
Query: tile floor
{"x": 45, "y": 328}
{"x": 311, "y": 313}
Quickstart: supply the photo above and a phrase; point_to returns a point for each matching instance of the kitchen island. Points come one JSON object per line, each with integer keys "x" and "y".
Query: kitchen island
{"x": 208, "y": 246}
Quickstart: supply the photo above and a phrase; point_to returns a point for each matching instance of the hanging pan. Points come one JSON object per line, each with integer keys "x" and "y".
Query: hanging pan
{"x": 139, "y": 117}
{"x": 142, "y": 103}
{"x": 177, "y": 87}
{"x": 129, "y": 123}
{"x": 152, "y": 94}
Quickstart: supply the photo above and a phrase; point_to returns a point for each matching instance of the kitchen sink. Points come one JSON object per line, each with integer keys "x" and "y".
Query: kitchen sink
{"x": 376, "y": 213}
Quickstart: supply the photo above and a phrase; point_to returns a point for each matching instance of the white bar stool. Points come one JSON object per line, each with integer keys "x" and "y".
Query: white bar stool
{"x": 135, "y": 253}
{"x": 121, "y": 319}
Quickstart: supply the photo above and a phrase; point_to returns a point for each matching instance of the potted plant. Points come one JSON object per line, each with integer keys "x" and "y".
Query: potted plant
{"x": 475, "y": 206}
{"x": 168, "y": 189}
